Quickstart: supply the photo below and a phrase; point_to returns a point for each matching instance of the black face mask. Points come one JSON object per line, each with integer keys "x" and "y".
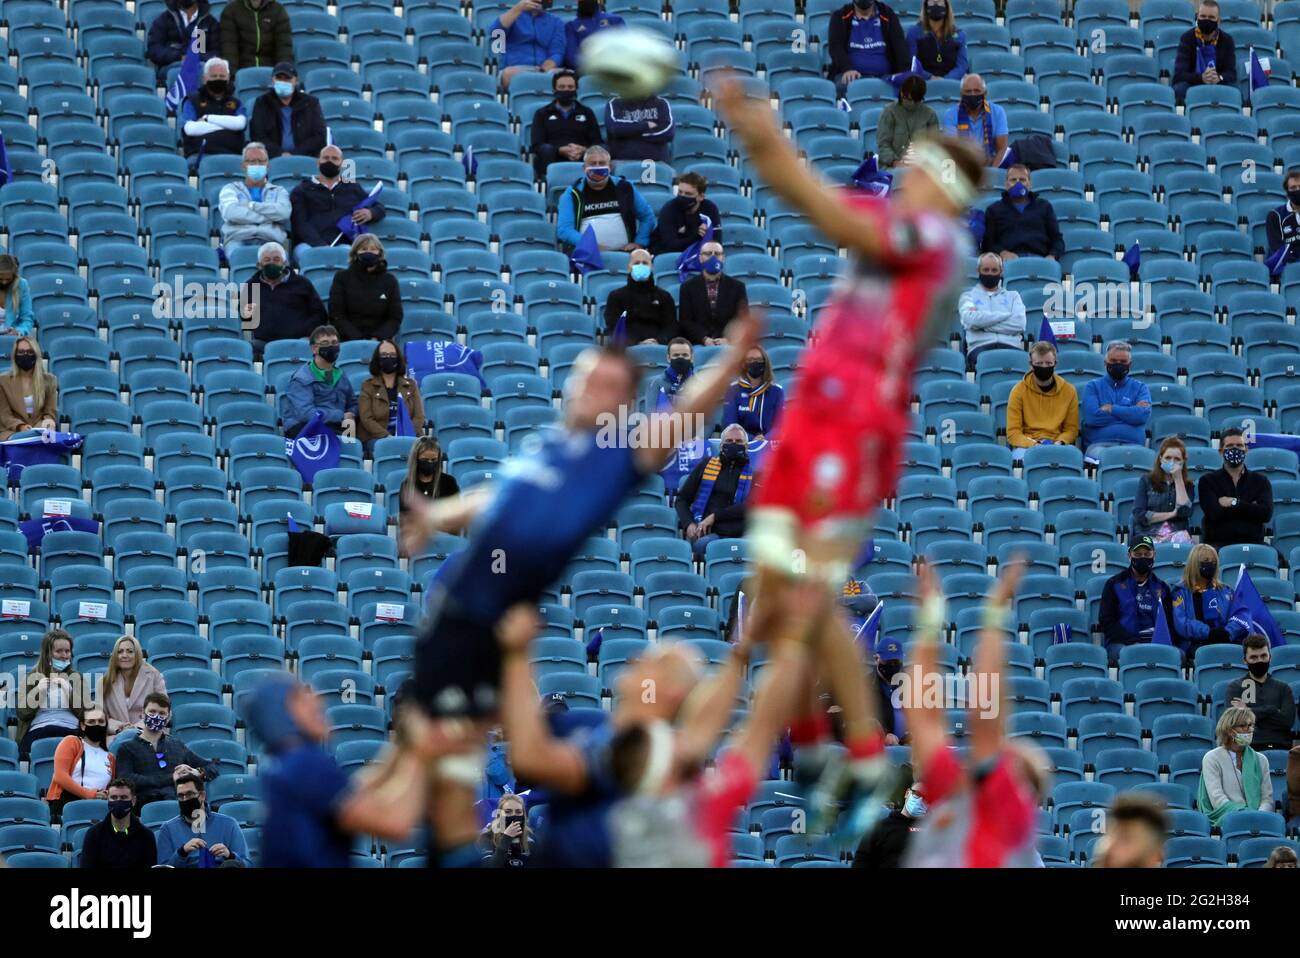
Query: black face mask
{"x": 1142, "y": 566}
{"x": 681, "y": 366}
{"x": 368, "y": 260}
{"x": 936, "y": 11}
{"x": 120, "y": 807}
{"x": 1294, "y": 197}
{"x": 96, "y": 734}
{"x": 328, "y": 353}
{"x": 566, "y": 97}
{"x": 972, "y": 101}
{"x": 889, "y": 668}
{"x": 733, "y": 451}
{"x": 189, "y": 806}
{"x": 756, "y": 369}
{"x": 426, "y": 468}
{"x": 330, "y": 170}
{"x": 865, "y": 5}
{"x": 990, "y": 280}
{"x": 25, "y": 361}
{"x": 218, "y": 87}
{"x": 588, "y": 8}
{"x": 1044, "y": 374}
{"x": 1207, "y": 26}
{"x": 388, "y": 364}
{"x": 1258, "y": 669}
{"x": 1207, "y": 570}
{"x": 1116, "y": 371}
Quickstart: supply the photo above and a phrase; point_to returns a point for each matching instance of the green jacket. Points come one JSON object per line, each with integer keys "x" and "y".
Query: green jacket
{"x": 255, "y": 38}
{"x": 897, "y": 128}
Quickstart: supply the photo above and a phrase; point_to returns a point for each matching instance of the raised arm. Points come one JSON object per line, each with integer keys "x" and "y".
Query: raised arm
{"x": 988, "y": 719}
{"x": 707, "y": 712}
{"x": 425, "y": 517}
{"x": 925, "y": 724}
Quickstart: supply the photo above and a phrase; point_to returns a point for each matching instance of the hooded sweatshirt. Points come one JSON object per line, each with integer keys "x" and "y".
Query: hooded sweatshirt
{"x": 1034, "y": 413}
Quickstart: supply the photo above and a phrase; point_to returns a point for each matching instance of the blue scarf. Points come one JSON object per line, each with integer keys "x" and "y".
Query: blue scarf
{"x": 964, "y": 125}
{"x": 712, "y": 469}
{"x": 674, "y": 381}
{"x": 1206, "y": 50}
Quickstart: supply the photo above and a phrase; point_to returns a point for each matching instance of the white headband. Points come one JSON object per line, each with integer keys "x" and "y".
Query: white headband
{"x": 660, "y": 760}
{"x": 941, "y": 168}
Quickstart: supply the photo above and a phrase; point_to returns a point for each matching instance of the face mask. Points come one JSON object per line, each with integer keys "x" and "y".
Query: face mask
{"x": 597, "y": 174}
{"x": 273, "y": 270}
{"x": 990, "y": 280}
{"x": 1207, "y": 26}
{"x": 1294, "y": 197}
{"x": 1142, "y": 565}
{"x": 732, "y": 451}
{"x": 368, "y": 260}
{"x": 756, "y": 369}
{"x": 388, "y": 364}
{"x": 681, "y": 366}
{"x": 712, "y": 266}
{"x": 936, "y": 11}
{"x": 1258, "y": 669}
{"x": 565, "y": 97}
{"x": 6, "y": 284}
{"x": 1234, "y": 456}
{"x": 640, "y": 273}
{"x": 1018, "y": 191}
{"x": 189, "y": 806}
{"x": 218, "y": 87}
{"x": 889, "y": 668}
{"x": 1207, "y": 570}
{"x": 864, "y": 5}
{"x": 1170, "y": 467}
{"x": 283, "y": 89}
{"x": 1116, "y": 371}
{"x": 1244, "y": 738}
{"x": 587, "y": 8}
{"x": 1044, "y": 374}
{"x": 328, "y": 353}
{"x": 914, "y": 805}
{"x": 96, "y": 734}
{"x": 972, "y": 101}
{"x": 155, "y": 722}
{"x": 329, "y": 169}
{"x": 426, "y": 468}
{"x": 256, "y": 173}
{"x": 119, "y": 807}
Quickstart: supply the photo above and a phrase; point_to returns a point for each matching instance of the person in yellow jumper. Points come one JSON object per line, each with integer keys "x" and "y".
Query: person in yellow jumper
{"x": 1043, "y": 408}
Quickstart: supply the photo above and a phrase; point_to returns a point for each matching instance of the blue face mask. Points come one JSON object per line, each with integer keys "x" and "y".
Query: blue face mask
{"x": 256, "y": 173}
{"x": 1018, "y": 191}
{"x": 596, "y": 173}
{"x": 60, "y": 666}
{"x": 283, "y": 88}
{"x": 1170, "y": 467}
{"x": 712, "y": 266}
{"x": 914, "y": 805}
{"x": 640, "y": 272}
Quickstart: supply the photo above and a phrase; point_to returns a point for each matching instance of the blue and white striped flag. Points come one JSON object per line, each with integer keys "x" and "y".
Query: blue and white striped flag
{"x": 189, "y": 77}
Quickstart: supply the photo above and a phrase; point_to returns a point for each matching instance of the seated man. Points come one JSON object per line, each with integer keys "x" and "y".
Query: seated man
{"x": 199, "y": 837}
{"x": 319, "y": 386}
{"x": 172, "y": 32}
{"x": 286, "y": 119}
{"x": 1131, "y": 601}
{"x": 711, "y": 500}
{"x": 1206, "y": 54}
{"x": 977, "y": 119}
{"x": 255, "y": 33}
{"x": 319, "y": 203}
{"x": 681, "y": 367}
{"x": 992, "y": 316}
{"x": 1043, "y": 409}
{"x": 533, "y": 39}
{"x": 1022, "y": 223}
{"x": 281, "y": 303}
{"x": 681, "y": 219}
{"x": 647, "y": 311}
{"x": 710, "y": 299}
{"x": 611, "y": 205}
{"x": 119, "y": 840}
{"x": 1283, "y": 224}
{"x": 253, "y": 210}
{"x": 640, "y": 129}
{"x": 591, "y": 18}
{"x": 212, "y": 119}
{"x": 564, "y": 128}
{"x": 1270, "y": 699}
{"x": 866, "y": 40}
{"x": 150, "y": 761}
{"x": 1115, "y": 407}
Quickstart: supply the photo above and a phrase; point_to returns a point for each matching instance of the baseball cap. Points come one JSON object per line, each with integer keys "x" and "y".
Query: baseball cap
{"x": 1141, "y": 541}
{"x": 889, "y": 649}
{"x": 285, "y": 69}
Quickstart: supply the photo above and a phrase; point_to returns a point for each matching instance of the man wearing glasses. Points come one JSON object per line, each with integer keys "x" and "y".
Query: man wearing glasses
{"x": 153, "y": 760}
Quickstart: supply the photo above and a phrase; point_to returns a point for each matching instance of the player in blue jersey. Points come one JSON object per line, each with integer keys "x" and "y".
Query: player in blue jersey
{"x": 524, "y": 529}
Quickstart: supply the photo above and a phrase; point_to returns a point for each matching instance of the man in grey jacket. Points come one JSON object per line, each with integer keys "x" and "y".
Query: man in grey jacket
{"x": 253, "y": 211}
{"x": 992, "y": 316}
{"x": 1270, "y": 699}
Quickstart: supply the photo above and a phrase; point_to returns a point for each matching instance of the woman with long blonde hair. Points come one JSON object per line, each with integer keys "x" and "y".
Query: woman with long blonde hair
{"x": 128, "y": 681}
{"x": 507, "y": 841}
{"x": 936, "y": 42}
{"x": 1201, "y": 603}
{"x": 29, "y": 396}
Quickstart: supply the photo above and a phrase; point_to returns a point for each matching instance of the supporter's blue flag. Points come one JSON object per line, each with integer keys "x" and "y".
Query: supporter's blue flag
{"x": 871, "y": 178}
{"x": 6, "y": 171}
{"x": 317, "y": 447}
{"x": 595, "y": 642}
{"x": 405, "y": 427}
{"x": 870, "y": 633}
{"x": 37, "y": 529}
{"x": 1272, "y": 440}
{"x": 586, "y": 255}
{"x": 1133, "y": 258}
{"x": 843, "y": 104}
{"x": 1045, "y": 332}
{"x": 189, "y": 77}
{"x": 469, "y": 161}
{"x": 1009, "y": 159}
{"x": 1276, "y": 260}
{"x": 689, "y": 260}
{"x": 1206, "y": 56}
{"x": 293, "y": 523}
{"x": 1249, "y": 609}
{"x": 36, "y": 447}
{"x": 352, "y": 230}
{"x": 618, "y": 337}
{"x": 1260, "y": 69}
{"x": 1062, "y": 633}
{"x": 430, "y": 356}
{"x": 1161, "y": 634}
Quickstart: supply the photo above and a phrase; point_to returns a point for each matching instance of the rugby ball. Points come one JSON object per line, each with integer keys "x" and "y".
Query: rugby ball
{"x": 630, "y": 62}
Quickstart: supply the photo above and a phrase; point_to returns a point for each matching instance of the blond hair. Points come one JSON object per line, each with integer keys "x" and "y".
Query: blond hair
{"x": 40, "y": 378}
{"x": 1229, "y": 720}
{"x": 1192, "y": 568}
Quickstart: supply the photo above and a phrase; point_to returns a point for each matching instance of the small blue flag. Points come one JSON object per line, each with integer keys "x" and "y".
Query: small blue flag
{"x": 37, "y": 529}
{"x": 843, "y": 104}
{"x": 36, "y": 447}
{"x": 689, "y": 260}
{"x": 189, "y": 77}
{"x": 1260, "y": 71}
{"x": 1206, "y": 56}
{"x": 869, "y": 177}
{"x": 1061, "y": 633}
{"x": 618, "y": 338}
{"x": 594, "y": 643}
{"x": 6, "y": 171}
{"x": 1249, "y": 609}
{"x": 470, "y": 162}
{"x": 1161, "y": 634}
{"x": 425, "y": 357}
{"x": 293, "y": 523}
{"x": 317, "y": 447}
{"x": 586, "y": 255}
{"x": 1276, "y": 261}
{"x": 352, "y": 230}
{"x": 1045, "y": 332}
{"x": 1009, "y": 159}
{"x": 1133, "y": 258}
{"x": 870, "y": 633}
{"x": 405, "y": 426}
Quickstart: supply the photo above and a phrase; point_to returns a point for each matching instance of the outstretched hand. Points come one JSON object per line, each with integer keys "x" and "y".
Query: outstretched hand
{"x": 517, "y": 627}
{"x": 744, "y": 331}
{"x": 750, "y": 119}
{"x": 1004, "y": 593}
{"x": 418, "y": 527}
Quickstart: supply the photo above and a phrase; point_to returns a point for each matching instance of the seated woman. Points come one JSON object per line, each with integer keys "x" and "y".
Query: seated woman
{"x": 754, "y": 400}
{"x": 128, "y": 681}
{"x": 54, "y": 696}
{"x": 15, "y": 300}
{"x": 1201, "y": 602}
{"x": 365, "y": 299}
{"x": 426, "y": 475}
{"x": 936, "y": 42}
{"x": 378, "y": 396}
{"x": 83, "y": 765}
{"x": 1234, "y": 777}
{"x": 507, "y": 840}
{"x": 29, "y": 396}
{"x": 903, "y": 121}
{"x": 1163, "y": 506}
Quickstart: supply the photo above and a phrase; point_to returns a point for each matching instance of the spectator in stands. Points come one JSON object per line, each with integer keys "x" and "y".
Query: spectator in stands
{"x": 53, "y": 694}
{"x": 1165, "y": 496}
{"x": 904, "y": 121}
{"x": 366, "y": 299}
{"x": 320, "y": 202}
{"x": 866, "y": 40}
{"x": 319, "y": 386}
{"x": 16, "y": 316}
{"x": 1022, "y": 223}
{"x": 1234, "y": 777}
{"x": 213, "y": 121}
{"x": 29, "y": 396}
{"x": 640, "y": 129}
{"x": 1043, "y": 409}
{"x": 253, "y": 210}
{"x": 1135, "y": 833}
{"x": 534, "y": 39}
{"x": 992, "y": 316}
{"x": 199, "y": 837}
{"x": 1283, "y": 224}
{"x": 977, "y": 119}
{"x": 564, "y": 128}
{"x": 507, "y": 840}
{"x": 1115, "y": 407}
{"x": 1237, "y": 503}
{"x": 377, "y": 398}
{"x": 937, "y": 43}
{"x": 172, "y": 32}
{"x": 279, "y": 302}
{"x": 649, "y": 313}
{"x": 889, "y": 662}
{"x": 153, "y": 759}
{"x": 1270, "y": 700}
{"x": 621, "y": 217}
{"x": 755, "y": 400}
{"x": 710, "y": 299}
{"x": 1201, "y": 603}
{"x": 286, "y": 119}
{"x": 884, "y": 845}
{"x": 591, "y": 18}
{"x": 83, "y": 765}
{"x": 121, "y": 840}
{"x": 1283, "y": 856}
{"x": 682, "y": 219}
{"x": 1206, "y": 54}
{"x": 711, "y": 500}
{"x": 126, "y": 686}
{"x": 426, "y": 475}
{"x": 255, "y": 33}
{"x": 1131, "y": 601}
{"x": 681, "y": 366}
